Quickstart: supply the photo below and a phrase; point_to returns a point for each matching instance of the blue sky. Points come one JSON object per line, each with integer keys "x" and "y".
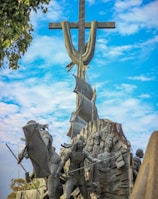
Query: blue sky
{"x": 124, "y": 70}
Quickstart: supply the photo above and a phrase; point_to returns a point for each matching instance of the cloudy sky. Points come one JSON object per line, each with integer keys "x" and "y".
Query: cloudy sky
{"x": 124, "y": 71}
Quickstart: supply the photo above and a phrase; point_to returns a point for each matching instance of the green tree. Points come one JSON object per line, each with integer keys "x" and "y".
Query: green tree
{"x": 16, "y": 29}
{"x": 20, "y": 184}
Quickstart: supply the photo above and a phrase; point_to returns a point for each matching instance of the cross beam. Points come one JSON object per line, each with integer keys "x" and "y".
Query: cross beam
{"x": 82, "y": 25}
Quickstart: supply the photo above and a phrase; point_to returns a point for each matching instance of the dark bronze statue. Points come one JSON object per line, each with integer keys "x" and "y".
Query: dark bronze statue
{"x": 45, "y": 160}
{"x": 137, "y": 163}
{"x": 76, "y": 176}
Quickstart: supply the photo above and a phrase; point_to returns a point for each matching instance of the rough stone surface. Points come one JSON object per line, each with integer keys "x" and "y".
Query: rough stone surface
{"x": 110, "y": 179}
{"x": 146, "y": 186}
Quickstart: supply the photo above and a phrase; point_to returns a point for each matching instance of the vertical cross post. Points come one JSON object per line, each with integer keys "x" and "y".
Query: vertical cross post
{"x": 82, "y": 25}
{"x": 83, "y": 55}
{"x": 81, "y": 36}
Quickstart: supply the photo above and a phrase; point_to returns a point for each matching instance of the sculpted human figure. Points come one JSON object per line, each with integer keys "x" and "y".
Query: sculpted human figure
{"x": 89, "y": 146}
{"x": 53, "y": 179}
{"x": 105, "y": 164}
{"x": 53, "y": 161}
{"x": 76, "y": 176}
{"x": 106, "y": 154}
{"x": 96, "y": 142}
{"x": 45, "y": 135}
{"x": 137, "y": 163}
{"x": 102, "y": 170}
{"x": 95, "y": 151}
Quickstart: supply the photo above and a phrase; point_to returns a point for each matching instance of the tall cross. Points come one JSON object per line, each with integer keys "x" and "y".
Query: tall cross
{"x": 82, "y": 25}
{"x": 84, "y": 54}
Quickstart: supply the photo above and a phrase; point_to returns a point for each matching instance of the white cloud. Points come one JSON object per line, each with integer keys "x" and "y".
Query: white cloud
{"x": 138, "y": 119}
{"x": 122, "y": 5}
{"x": 44, "y": 48}
{"x": 144, "y": 96}
{"x": 134, "y": 51}
{"x": 151, "y": 41}
{"x": 119, "y": 50}
{"x": 30, "y": 99}
{"x": 91, "y": 2}
{"x": 54, "y": 13}
{"x": 128, "y": 88}
{"x": 112, "y": 52}
{"x": 133, "y": 15}
{"x": 142, "y": 78}
{"x": 7, "y": 108}
{"x": 124, "y": 28}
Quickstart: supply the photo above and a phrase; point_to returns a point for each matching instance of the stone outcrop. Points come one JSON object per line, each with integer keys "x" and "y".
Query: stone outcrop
{"x": 146, "y": 186}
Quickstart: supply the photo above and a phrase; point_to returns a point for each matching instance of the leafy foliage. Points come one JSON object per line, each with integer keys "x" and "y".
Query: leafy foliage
{"x": 20, "y": 184}
{"x": 16, "y": 29}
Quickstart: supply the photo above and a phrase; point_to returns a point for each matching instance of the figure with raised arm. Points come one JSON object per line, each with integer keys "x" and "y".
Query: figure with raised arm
{"x": 44, "y": 158}
{"x": 76, "y": 176}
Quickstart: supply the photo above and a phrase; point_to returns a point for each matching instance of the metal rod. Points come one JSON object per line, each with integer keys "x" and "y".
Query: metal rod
{"x": 15, "y": 157}
{"x": 22, "y": 167}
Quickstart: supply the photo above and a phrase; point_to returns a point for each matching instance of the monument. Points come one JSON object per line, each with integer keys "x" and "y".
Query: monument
{"x": 98, "y": 150}
{"x": 85, "y": 122}
{"x": 85, "y": 100}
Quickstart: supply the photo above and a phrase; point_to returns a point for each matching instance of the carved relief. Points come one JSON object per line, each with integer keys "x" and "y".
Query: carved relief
{"x": 110, "y": 178}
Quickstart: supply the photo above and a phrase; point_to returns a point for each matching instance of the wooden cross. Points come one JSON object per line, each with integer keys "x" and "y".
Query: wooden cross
{"x": 82, "y": 25}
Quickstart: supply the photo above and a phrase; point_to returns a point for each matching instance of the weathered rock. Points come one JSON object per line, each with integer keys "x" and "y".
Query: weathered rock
{"x": 146, "y": 186}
